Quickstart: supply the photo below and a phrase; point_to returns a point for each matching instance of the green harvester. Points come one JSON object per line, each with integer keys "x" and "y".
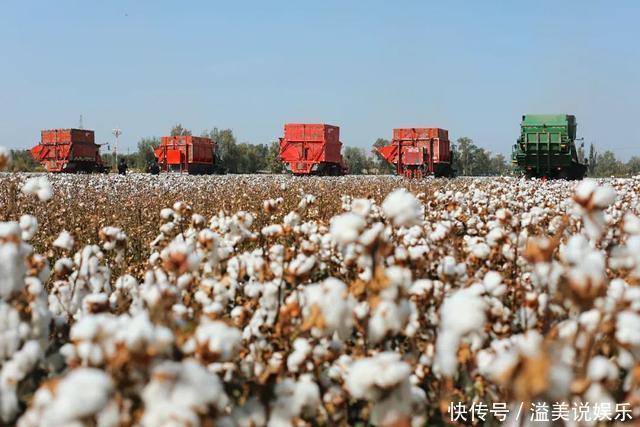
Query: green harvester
{"x": 547, "y": 147}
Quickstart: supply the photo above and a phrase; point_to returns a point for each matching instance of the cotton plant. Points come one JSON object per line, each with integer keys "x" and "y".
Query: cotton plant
{"x": 25, "y": 317}
{"x": 313, "y": 306}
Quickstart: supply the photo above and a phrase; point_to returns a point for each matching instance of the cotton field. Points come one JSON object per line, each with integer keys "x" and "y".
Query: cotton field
{"x": 277, "y": 301}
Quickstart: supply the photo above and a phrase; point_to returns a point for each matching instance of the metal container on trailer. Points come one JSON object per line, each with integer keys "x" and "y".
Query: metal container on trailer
{"x": 186, "y": 154}
{"x": 418, "y": 152}
{"x": 68, "y": 150}
{"x": 546, "y": 147}
{"x": 309, "y": 149}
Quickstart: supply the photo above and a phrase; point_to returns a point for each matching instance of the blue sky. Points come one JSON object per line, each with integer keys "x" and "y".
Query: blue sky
{"x": 473, "y": 67}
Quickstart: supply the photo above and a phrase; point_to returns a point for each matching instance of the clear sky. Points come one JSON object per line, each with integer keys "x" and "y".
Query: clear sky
{"x": 473, "y": 67}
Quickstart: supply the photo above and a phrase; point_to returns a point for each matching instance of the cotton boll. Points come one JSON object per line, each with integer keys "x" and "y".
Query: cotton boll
{"x": 461, "y": 313}
{"x": 306, "y": 200}
{"x": 601, "y": 368}
{"x": 82, "y": 394}
{"x": 628, "y": 328}
{"x": 421, "y": 287}
{"x": 361, "y": 207}
{"x": 590, "y": 201}
{"x": 272, "y": 230}
{"x": 64, "y": 241}
{"x": 480, "y": 250}
{"x": 38, "y": 186}
{"x": 495, "y": 236}
{"x": 450, "y": 268}
{"x": 179, "y": 257}
{"x": 585, "y": 189}
{"x": 291, "y": 219}
{"x": 334, "y": 303}
{"x": 12, "y": 259}
{"x": 590, "y": 319}
{"x": 492, "y": 283}
{"x": 294, "y": 399}
{"x": 346, "y": 228}
{"x": 140, "y": 333}
{"x": 301, "y": 350}
{"x": 98, "y": 337}
{"x": 167, "y": 214}
{"x": 402, "y": 208}
{"x": 12, "y": 372}
{"x": 217, "y": 341}
{"x": 631, "y": 224}
{"x": 29, "y": 226}
{"x": 383, "y": 380}
{"x": 179, "y": 391}
{"x": 387, "y": 318}
{"x": 367, "y": 378}
{"x": 604, "y": 196}
{"x": 302, "y": 265}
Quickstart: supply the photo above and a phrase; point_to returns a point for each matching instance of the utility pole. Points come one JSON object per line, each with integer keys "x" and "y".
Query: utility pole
{"x": 117, "y": 132}
{"x": 81, "y": 124}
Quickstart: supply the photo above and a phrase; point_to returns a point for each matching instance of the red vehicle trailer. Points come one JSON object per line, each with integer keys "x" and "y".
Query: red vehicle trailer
{"x": 418, "y": 152}
{"x": 68, "y": 150}
{"x": 308, "y": 149}
{"x": 189, "y": 154}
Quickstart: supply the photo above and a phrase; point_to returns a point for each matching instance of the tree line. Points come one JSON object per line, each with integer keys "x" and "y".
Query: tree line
{"x": 246, "y": 158}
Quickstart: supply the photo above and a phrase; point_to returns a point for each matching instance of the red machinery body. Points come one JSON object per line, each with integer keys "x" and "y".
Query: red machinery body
{"x": 186, "y": 154}
{"x": 418, "y": 152}
{"x": 308, "y": 149}
{"x": 68, "y": 150}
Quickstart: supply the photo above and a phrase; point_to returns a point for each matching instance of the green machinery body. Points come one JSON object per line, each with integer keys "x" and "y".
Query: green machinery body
{"x": 546, "y": 147}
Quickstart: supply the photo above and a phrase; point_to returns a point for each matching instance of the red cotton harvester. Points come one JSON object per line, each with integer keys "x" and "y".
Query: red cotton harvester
{"x": 312, "y": 149}
{"x": 68, "y": 150}
{"x": 418, "y": 152}
{"x": 186, "y": 154}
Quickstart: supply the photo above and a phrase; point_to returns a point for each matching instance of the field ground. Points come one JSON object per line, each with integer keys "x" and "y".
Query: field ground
{"x": 272, "y": 300}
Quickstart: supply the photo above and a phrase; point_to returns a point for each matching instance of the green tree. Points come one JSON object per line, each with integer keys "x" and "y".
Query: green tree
{"x": 227, "y": 152}
{"x": 464, "y": 156}
{"x": 274, "y": 165}
{"x": 499, "y": 165}
{"x": 480, "y": 161}
{"x": 251, "y": 158}
{"x": 23, "y": 161}
{"x": 607, "y": 165}
{"x": 469, "y": 159}
{"x": 356, "y": 160}
{"x": 633, "y": 166}
{"x": 179, "y": 130}
{"x": 145, "y": 154}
